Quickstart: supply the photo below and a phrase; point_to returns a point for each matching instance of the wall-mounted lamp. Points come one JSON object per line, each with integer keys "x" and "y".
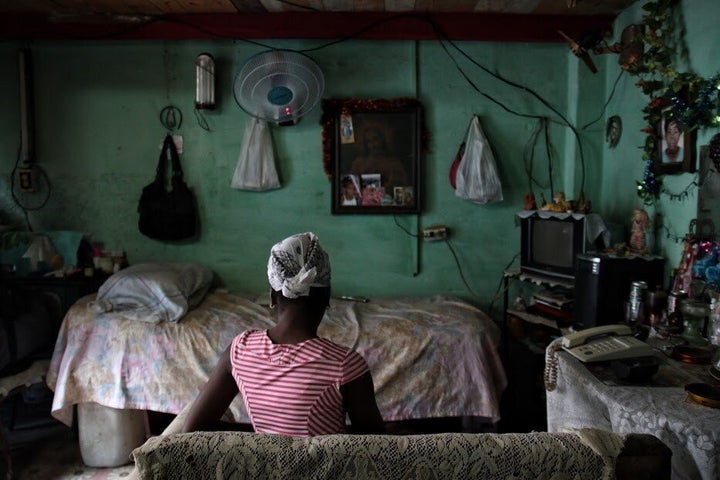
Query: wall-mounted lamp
{"x": 205, "y": 82}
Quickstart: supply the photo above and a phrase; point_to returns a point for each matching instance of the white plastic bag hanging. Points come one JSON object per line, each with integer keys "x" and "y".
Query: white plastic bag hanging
{"x": 255, "y": 169}
{"x": 477, "y": 177}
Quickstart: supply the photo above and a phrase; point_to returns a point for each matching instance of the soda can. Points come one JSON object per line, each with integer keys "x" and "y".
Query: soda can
{"x": 674, "y": 299}
{"x": 635, "y": 307}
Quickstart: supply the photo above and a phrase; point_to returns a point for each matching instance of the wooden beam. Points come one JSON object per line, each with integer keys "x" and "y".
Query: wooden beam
{"x": 316, "y": 25}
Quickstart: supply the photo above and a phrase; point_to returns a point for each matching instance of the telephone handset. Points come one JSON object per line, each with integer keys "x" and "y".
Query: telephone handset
{"x": 607, "y": 342}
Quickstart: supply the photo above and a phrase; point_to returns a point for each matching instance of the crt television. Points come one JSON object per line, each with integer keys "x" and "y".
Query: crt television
{"x": 550, "y": 243}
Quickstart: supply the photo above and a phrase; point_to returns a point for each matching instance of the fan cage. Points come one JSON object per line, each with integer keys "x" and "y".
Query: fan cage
{"x": 294, "y": 79}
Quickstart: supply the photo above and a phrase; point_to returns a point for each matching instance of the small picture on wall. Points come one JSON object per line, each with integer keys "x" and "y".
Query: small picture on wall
{"x": 675, "y": 152}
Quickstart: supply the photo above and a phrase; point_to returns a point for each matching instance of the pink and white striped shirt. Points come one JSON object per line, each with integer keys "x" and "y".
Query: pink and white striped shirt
{"x": 293, "y": 389}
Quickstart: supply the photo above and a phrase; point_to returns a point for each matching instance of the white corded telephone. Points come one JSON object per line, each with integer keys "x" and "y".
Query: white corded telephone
{"x": 607, "y": 342}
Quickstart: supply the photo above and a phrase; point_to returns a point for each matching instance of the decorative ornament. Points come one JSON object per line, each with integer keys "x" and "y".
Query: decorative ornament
{"x": 529, "y": 203}
{"x": 640, "y": 226}
{"x": 649, "y": 188}
{"x": 613, "y": 131}
{"x": 582, "y": 205}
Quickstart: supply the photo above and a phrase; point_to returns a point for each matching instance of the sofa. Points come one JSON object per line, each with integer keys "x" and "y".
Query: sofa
{"x": 582, "y": 454}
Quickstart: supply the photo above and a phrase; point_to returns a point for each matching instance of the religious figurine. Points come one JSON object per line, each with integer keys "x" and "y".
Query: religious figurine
{"x": 560, "y": 204}
{"x": 640, "y": 226}
{"x": 530, "y": 202}
{"x": 582, "y": 205}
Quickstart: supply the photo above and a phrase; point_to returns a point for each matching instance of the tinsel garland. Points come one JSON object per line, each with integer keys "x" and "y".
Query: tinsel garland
{"x": 705, "y": 246}
{"x": 682, "y": 195}
{"x": 701, "y": 112}
{"x": 649, "y": 188}
{"x": 332, "y": 108}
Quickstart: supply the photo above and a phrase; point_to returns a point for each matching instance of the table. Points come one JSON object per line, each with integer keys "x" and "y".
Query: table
{"x": 691, "y": 431}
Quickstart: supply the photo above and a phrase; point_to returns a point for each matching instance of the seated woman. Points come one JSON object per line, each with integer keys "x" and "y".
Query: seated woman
{"x": 292, "y": 382}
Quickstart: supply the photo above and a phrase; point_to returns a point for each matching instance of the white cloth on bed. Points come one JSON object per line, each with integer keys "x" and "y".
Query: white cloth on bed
{"x": 154, "y": 291}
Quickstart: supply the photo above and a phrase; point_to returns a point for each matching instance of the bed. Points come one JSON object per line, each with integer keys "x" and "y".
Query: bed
{"x": 430, "y": 357}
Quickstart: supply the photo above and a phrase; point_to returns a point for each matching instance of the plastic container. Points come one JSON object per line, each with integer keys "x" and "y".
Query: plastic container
{"x": 108, "y": 435}
{"x": 694, "y": 314}
{"x": 714, "y": 323}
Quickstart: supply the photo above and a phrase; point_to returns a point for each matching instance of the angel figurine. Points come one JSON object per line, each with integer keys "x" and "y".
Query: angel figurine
{"x": 640, "y": 226}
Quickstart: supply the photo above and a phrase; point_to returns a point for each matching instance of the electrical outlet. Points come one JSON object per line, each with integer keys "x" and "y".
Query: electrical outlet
{"x": 25, "y": 180}
{"x": 435, "y": 232}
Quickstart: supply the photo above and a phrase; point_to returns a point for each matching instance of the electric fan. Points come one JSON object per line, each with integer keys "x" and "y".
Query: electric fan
{"x": 279, "y": 86}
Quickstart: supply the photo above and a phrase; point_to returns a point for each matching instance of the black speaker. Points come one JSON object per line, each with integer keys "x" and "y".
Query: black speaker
{"x": 602, "y": 285}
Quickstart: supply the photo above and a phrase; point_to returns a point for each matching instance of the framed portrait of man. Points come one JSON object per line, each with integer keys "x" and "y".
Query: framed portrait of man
{"x": 373, "y": 150}
{"x": 675, "y": 151}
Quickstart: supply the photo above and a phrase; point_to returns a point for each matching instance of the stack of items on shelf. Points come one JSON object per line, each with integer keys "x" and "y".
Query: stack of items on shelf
{"x": 555, "y": 303}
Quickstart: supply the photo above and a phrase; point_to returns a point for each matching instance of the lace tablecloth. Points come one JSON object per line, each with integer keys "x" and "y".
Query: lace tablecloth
{"x": 691, "y": 431}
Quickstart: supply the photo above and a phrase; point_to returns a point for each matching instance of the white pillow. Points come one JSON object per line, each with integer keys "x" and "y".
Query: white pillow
{"x": 154, "y": 291}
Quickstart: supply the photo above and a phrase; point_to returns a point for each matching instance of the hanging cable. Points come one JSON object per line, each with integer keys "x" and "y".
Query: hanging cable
{"x": 529, "y": 154}
{"x": 548, "y": 150}
{"x": 40, "y": 178}
{"x": 459, "y": 268}
{"x": 499, "y": 291}
{"x": 201, "y": 120}
{"x": 612, "y": 93}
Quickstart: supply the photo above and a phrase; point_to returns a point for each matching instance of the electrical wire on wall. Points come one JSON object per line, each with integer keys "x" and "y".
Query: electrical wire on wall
{"x": 529, "y": 157}
{"x": 30, "y": 187}
{"x": 459, "y": 268}
{"x": 607, "y": 102}
{"x": 499, "y": 290}
{"x": 452, "y": 251}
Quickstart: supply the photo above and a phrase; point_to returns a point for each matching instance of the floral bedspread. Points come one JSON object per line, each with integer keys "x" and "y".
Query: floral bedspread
{"x": 432, "y": 356}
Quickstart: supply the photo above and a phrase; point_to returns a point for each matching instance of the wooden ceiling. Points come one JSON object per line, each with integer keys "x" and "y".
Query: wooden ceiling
{"x": 504, "y": 20}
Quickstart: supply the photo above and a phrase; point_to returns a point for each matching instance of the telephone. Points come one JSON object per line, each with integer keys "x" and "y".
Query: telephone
{"x": 606, "y": 342}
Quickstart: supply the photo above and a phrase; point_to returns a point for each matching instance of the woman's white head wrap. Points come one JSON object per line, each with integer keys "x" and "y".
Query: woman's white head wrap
{"x": 298, "y": 263}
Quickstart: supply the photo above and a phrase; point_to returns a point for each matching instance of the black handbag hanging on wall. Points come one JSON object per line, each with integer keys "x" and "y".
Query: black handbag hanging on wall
{"x": 168, "y": 215}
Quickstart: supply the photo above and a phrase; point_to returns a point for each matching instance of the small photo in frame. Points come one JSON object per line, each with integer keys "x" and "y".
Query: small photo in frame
{"x": 350, "y": 191}
{"x": 675, "y": 151}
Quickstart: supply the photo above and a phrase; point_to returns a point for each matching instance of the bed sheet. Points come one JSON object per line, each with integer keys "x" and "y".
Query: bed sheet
{"x": 430, "y": 357}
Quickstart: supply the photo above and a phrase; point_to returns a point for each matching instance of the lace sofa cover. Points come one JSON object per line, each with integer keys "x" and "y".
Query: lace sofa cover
{"x": 239, "y": 455}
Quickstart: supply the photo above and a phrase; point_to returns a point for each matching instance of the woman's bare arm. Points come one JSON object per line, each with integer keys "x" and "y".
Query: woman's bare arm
{"x": 214, "y": 399}
{"x": 360, "y": 403}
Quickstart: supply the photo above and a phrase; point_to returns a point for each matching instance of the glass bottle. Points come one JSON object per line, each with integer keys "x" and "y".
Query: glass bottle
{"x": 694, "y": 314}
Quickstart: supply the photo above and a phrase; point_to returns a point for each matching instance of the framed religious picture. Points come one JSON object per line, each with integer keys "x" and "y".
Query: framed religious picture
{"x": 675, "y": 149}
{"x": 372, "y": 152}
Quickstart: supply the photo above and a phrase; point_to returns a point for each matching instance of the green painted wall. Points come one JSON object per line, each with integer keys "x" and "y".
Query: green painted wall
{"x": 623, "y": 166}
{"x": 98, "y": 138}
